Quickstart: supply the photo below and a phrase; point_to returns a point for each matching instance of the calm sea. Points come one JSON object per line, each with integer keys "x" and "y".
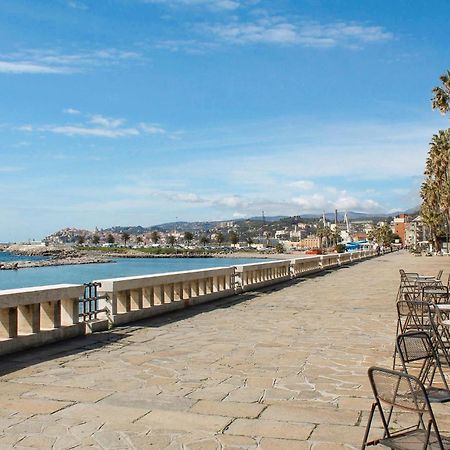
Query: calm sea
{"x": 121, "y": 267}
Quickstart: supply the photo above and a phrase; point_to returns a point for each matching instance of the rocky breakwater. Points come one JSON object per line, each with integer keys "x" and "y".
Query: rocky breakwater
{"x": 14, "y": 265}
{"x": 54, "y": 257}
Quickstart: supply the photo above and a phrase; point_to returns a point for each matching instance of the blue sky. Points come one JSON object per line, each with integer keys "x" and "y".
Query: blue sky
{"x": 137, "y": 112}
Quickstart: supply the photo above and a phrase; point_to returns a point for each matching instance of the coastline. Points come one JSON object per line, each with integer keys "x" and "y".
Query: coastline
{"x": 62, "y": 256}
{"x": 23, "y": 264}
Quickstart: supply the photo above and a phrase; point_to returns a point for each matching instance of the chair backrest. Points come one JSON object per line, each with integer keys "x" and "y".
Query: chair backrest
{"x": 395, "y": 391}
{"x": 399, "y": 389}
{"x": 439, "y": 275}
{"x": 436, "y": 293}
{"x": 407, "y": 276}
{"x": 416, "y": 346}
{"x": 420, "y": 313}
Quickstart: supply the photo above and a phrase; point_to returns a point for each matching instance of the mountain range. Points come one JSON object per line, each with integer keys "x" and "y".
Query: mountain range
{"x": 201, "y": 226}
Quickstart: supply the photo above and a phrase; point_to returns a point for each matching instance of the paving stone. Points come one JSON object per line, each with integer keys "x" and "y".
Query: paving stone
{"x": 102, "y": 413}
{"x": 185, "y": 421}
{"x": 68, "y": 394}
{"x": 310, "y": 414}
{"x": 229, "y": 441}
{"x": 270, "y": 428}
{"x": 32, "y": 406}
{"x": 37, "y": 441}
{"x": 285, "y": 444}
{"x": 338, "y": 434}
{"x": 228, "y": 409}
{"x": 245, "y": 394}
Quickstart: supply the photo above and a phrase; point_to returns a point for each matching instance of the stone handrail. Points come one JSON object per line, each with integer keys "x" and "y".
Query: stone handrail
{"x": 39, "y": 315}
{"x": 254, "y": 276}
{"x": 134, "y": 298}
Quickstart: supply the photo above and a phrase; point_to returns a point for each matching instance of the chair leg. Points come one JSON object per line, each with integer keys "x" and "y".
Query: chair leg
{"x": 369, "y": 423}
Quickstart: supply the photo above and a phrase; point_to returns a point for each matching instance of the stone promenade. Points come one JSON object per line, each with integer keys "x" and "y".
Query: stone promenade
{"x": 281, "y": 369}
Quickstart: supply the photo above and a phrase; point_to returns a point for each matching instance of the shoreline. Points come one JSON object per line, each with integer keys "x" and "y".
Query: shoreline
{"x": 69, "y": 256}
{"x": 23, "y": 264}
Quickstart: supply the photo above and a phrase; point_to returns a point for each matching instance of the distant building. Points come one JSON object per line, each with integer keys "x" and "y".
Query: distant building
{"x": 400, "y": 226}
{"x": 309, "y": 242}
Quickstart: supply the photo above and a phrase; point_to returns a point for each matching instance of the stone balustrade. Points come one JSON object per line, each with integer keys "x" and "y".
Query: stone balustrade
{"x": 329, "y": 261}
{"x": 254, "y": 276}
{"x": 39, "y": 315}
{"x": 134, "y": 298}
{"x": 36, "y": 316}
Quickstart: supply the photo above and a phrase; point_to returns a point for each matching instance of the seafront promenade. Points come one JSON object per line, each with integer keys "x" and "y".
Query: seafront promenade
{"x": 280, "y": 368}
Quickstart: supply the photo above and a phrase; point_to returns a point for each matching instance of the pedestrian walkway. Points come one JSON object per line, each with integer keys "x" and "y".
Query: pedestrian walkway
{"x": 284, "y": 368}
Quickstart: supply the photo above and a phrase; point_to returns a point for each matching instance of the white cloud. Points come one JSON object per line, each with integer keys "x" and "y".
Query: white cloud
{"x": 10, "y": 169}
{"x": 27, "y": 128}
{"x": 227, "y": 5}
{"x": 77, "y": 5}
{"x": 303, "y": 185}
{"x": 152, "y": 128}
{"x": 279, "y": 30}
{"x": 97, "y": 125}
{"x": 71, "y": 130}
{"x": 106, "y": 122}
{"x": 71, "y": 111}
{"x": 51, "y": 61}
{"x": 24, "y": 67}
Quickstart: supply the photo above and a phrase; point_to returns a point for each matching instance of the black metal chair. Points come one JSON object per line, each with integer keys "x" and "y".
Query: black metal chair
{"x": 398, "y": 391}
{"x": 419, "y": 358}
{"x": 407, "y": 284}
{"x": 437, "y": 293}
{"x": 412, "y": 315}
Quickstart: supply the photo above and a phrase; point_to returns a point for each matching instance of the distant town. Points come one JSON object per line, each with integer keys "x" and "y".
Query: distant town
{"x": 281, "y": 234}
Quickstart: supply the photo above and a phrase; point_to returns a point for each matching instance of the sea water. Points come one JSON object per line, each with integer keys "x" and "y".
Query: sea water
{"x": 120, "y": 267}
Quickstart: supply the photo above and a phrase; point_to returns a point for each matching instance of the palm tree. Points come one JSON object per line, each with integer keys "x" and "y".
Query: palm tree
{"x": 139, "y": 240}
{"x": 435, "y": 191}
{"x": 96, "y": 239}
{"x": 204, "y": 239}
{"x": 154, "y": 237}
{"x": 234, "y": 237}
{"x": 125, "y": 238}
{"x": 430, "y": 211}
{"x": 220, "y": 238}
{"x": 171, "y": 240}
{"x": 188, "y": 236}
{"x": 441, "y": 99}
{"x": 110, "y": 239}
{"x": 249, "y": 241}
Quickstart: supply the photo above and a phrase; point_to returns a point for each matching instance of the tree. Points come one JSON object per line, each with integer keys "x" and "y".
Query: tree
{"x": 279, "y": 248}
{"x": 171, "y": 240}
{"x": 267, "y": 235}
{"x": 234, "y": 237}
{"x": 188, "y": 236}
{"x": 154, "y": 236}
{"x": 110, "y": 239}
{"x": 80, "y": 240}
{"x": 125, "y": 237}
{"x": 220, "y": 238}
{"x": 441, "y": 99}
{"x": 139, "y": 240}
{"x": 382, "y": 234}
{"x": 249, "y": 241}
{"x": 435, "y": 190}
{"x": 430, "y": 212}
{"x": 324, "y": 233}
{"x": 96, "y": 239}
{"x": 204, "y": 240}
